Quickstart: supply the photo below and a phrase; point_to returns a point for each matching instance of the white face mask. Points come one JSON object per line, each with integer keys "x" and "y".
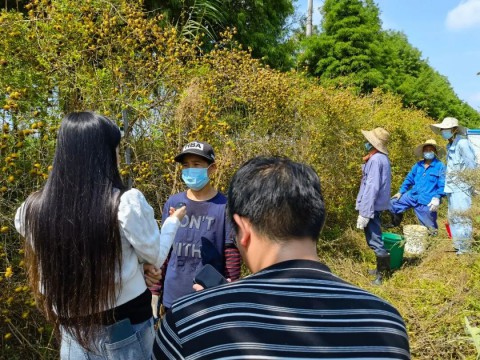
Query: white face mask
{"x": 195, "y": 178}
{"x": 429, "y": 155}
{"x": 447, "y": 134}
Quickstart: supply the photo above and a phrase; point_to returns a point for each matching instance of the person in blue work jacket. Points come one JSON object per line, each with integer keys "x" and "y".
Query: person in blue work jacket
{"x": 422, "y": 189}
{"x": 460, "y": 156}
{"x": 374, "y": 196}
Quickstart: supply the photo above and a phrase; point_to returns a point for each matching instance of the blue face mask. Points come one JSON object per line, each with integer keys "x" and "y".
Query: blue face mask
{"x": 195, "y": 178}
{"x": 368, "y": 146}
{"x": 428, "y": 155}
{"x": 447, "y": 134}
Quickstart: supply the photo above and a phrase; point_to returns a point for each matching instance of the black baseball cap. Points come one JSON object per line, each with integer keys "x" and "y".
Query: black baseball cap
{"x": 199, "y": 148}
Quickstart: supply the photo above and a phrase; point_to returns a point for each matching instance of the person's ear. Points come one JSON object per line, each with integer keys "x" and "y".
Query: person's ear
{"x": 211, "y": 169}
{"x": 244, "y": 230}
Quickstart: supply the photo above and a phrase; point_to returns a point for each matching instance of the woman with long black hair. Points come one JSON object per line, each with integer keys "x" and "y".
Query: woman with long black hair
{"x": 86, "y": 238}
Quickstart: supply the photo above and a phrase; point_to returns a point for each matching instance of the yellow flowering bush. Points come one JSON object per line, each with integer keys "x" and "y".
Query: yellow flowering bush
{"x": 112, "y": 58}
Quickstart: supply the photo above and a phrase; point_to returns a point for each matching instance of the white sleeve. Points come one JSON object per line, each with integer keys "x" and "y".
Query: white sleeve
{"x": 20, "y": 220}
{"x": 138, "y": 226}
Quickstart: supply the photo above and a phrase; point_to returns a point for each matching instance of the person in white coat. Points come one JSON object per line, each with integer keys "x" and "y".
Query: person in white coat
{"x": 460, "y": 157}
{"x": 86, "y": 237}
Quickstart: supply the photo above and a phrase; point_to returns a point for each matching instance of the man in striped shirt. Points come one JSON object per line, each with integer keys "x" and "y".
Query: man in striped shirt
{"x": 292, "y": 307}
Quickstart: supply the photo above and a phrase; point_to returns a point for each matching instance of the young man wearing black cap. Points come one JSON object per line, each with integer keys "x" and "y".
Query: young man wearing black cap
{"x": 292, "y": 306}
{"x": 204, "y": 234}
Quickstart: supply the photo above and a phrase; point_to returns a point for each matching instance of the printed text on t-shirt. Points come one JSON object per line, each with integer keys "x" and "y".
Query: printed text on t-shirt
{"x": 196, "y": 221}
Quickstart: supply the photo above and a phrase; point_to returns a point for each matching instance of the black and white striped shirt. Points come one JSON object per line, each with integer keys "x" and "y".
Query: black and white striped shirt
{"x": 292, "y": 310}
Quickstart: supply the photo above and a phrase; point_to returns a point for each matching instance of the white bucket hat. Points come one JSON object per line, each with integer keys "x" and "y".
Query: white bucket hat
{"x": 447, "y": 123}
{"x": 378, "y": 137}
{"x": 419, "y": 149}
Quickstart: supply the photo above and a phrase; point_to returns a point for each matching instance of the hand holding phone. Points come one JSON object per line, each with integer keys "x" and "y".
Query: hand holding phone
{"x": 180, "y": 205}
{"x": 209, "y": 277}
{"x": 179, "y": 210}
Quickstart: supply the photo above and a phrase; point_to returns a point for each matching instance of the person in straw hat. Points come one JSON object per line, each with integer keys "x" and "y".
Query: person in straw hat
{"x": 460, "y": 156}
{"x": 374, "y": 196}
{"x": 422, "y": 189}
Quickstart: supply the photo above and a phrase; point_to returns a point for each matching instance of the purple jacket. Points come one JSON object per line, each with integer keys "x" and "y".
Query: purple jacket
{"x": 374, "y": 194}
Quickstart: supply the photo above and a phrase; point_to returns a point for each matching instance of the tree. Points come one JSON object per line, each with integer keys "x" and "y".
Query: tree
{"x": 401, "y": 61}
{"x": 347, "y": 50}
{"x": 261, "y": 25}
{"x": 352, "y": 50}
{"x": 193, "y": 18}
{"x": 407, "y": 74}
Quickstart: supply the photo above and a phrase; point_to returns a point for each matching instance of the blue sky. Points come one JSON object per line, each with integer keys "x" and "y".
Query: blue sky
{"x": 447, "y": 32}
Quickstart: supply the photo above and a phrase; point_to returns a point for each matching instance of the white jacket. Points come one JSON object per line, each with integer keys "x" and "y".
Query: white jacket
{"x": 141, "y": 240}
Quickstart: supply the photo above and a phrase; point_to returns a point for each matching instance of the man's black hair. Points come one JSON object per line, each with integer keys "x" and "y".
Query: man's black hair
{"x": 281, "y": 198}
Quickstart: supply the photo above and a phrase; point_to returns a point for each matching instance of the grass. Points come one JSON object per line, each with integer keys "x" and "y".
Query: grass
{"x": 433, "y": 292}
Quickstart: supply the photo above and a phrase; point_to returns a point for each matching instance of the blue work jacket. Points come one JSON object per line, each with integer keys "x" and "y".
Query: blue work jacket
{"x": 374, "y": 193}
{"x": 425, "y": 183}
{"x": 460, "y": 156}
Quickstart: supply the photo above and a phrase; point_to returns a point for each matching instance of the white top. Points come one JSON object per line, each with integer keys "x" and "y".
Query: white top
{"x": 141, "y": 241}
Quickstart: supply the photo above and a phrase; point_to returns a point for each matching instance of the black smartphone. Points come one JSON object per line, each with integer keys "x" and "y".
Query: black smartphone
{"x": 179, "y": 205}
{"x": 209, "y": 277}
{"x": 120, "y": 330}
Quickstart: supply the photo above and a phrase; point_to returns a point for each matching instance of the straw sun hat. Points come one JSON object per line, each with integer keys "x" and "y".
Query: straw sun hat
{"x": 447, "y": 123}
{"x": 378, "y": 137}
{"x": 419, "y": 149}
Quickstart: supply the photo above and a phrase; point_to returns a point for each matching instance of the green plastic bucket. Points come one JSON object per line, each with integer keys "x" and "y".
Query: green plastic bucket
{"x": 394, "y": 245}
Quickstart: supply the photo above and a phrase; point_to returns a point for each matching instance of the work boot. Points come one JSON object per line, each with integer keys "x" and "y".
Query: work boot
{"x": 373, "y": 272}
{"x": 383, "y": 269}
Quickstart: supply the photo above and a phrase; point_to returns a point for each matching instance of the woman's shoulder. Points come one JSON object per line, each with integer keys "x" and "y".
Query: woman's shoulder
{"x": 134, "y": 209}
{"x": 131, "y": 193}
{"x": 133, "y": 197}
{"x": 20, "y": 214}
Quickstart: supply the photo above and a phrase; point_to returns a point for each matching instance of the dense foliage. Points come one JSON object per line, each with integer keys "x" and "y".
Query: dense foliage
{"x": 348, "y": 49}
{"x": 118, "y": 60}
{"x": 260, "y": 25}
{"x": 352, "y": 50}
{"x": 407, "y": 74}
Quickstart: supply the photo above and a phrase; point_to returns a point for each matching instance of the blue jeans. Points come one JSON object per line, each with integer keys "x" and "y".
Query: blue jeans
{"x": 424, "y": 215}
{"x": 460, "y": 225}
{"x": 373, "y": 234}
{"x": 137, "y": 346}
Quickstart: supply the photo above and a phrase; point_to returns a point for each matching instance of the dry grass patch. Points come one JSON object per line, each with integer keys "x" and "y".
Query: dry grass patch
{"x": 433, "y": 292}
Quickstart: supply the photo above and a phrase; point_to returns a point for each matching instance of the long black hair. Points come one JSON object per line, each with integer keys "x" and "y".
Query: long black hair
{"x": 73, "y": 242}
